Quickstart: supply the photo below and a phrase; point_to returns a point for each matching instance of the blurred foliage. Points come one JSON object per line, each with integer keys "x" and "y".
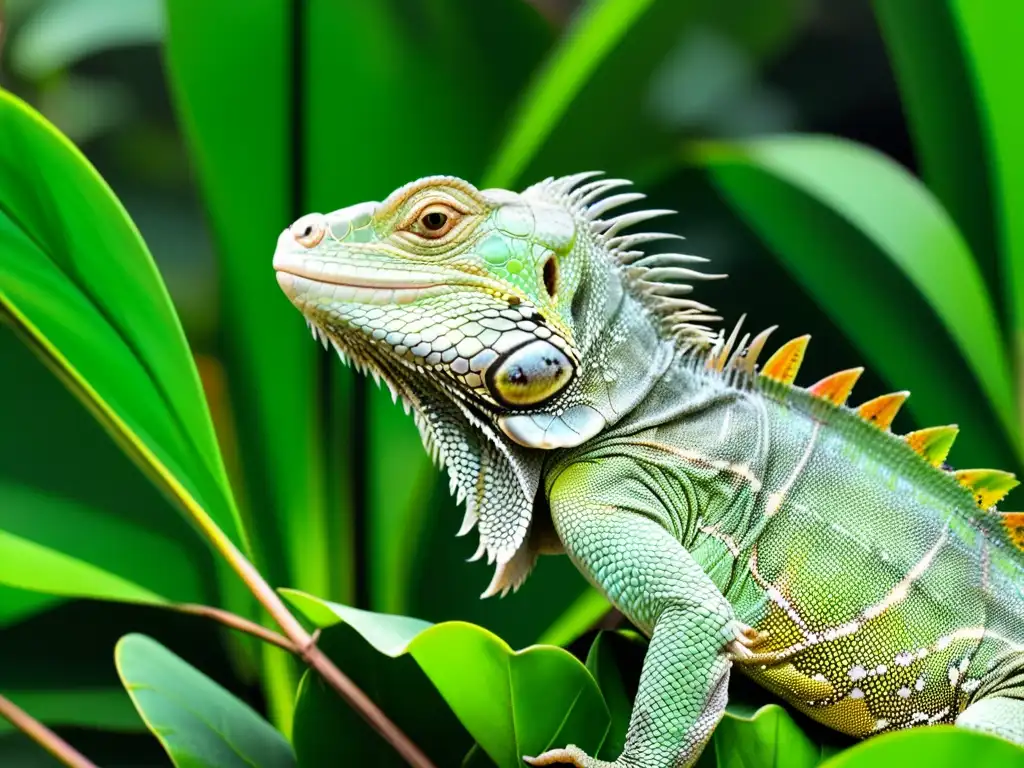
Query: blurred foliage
{"x": 218, "y": 124}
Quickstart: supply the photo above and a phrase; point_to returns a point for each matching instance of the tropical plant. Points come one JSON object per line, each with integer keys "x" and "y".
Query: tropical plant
{"x": 212, "y": 482}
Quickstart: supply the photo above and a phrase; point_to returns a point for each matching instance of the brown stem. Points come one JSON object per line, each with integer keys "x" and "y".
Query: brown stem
{"x": 43, "y": 736}
{"x": 234, "y": 621}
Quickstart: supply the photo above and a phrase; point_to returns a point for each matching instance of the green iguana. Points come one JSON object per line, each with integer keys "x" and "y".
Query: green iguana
{"x": 563, "y": 376}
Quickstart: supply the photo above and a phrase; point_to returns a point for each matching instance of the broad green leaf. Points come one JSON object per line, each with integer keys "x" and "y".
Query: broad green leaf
{"x": 198, "y": 722}
{"x": 839, "y": 216}
{"x": 941, "y": 101}
{"x": 624, "y": 81}
{"x": 512, "y": 703}
{"x": 106, "y": 709}
{"x": 327, "y": 731}
{"x": 63, "y": 31}
{"x": 939, "y": 746}
{"x": 78, "y": 283}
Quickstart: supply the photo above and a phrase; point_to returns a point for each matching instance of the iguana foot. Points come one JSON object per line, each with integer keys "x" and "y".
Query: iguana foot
{"x": 571, "y": 755}
{"x": 744, "y": 639}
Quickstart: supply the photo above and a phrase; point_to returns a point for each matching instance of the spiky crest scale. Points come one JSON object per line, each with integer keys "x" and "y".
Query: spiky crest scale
{"x": 837, "y": 387}
{"x": 933, "y": 443}
{"x": 784, "y": 365}
{"x": 738, "y": 362}
{"x": 881, "y": 410}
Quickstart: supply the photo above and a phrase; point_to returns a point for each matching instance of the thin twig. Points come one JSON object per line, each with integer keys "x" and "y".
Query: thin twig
{"x": 234, "y": 621}
{"x": 43, "y": 736}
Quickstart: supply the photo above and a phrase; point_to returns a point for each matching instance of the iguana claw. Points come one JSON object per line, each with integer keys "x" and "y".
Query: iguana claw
{"x": 744, "y": 639}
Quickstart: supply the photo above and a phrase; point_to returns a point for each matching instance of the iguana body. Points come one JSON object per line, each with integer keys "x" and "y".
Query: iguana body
{"x": 729, "y": 514}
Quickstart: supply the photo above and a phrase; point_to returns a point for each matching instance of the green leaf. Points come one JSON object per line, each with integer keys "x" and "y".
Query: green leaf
{"x": 198, "y": 722}
{"x": 939, "y": 746}
{"x": 108, "y": 709}
{"x": 838, "y": 215}
{"x": 989, "y": 33}
{"x": 105, "y": 325}
{"x": 512, "y": 703}
{"x": 942, "y": 103}
{"x": 767, "y": 739}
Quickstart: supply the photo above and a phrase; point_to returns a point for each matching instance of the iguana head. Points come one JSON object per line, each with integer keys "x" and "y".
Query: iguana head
{"x": 495, "y": 316}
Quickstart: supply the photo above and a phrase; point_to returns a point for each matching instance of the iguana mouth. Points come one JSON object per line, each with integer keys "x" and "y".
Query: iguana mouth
{"x": 298, "y": 275}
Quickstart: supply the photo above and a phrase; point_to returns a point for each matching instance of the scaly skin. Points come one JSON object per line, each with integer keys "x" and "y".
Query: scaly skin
{"x": 731, "y": 516}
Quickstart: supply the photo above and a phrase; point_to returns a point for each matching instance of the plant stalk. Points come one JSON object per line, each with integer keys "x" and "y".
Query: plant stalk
{"x": 42, "y": 735}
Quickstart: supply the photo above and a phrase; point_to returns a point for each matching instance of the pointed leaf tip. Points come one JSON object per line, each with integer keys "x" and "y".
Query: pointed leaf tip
{"x": 933, "y": 443}
{"x": 989, "y": 486}
{"x": 883, "y": 409}
{"x": 837, "y": 387}
{"x": 785, "y": 363}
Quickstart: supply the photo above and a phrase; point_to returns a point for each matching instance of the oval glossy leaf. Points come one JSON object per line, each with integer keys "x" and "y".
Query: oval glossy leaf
{"x": 939, "y": 746}
{"x": 513, "y": 703}
{"x": 614, "y": 661}
{"x": 200, "y": 724}
{"x": 798, "y": 193}
{"x": 81, "y": 288}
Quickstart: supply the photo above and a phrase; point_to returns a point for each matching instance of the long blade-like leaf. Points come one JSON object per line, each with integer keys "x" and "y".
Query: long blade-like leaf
{"x": 940, "y": 98}
{"x": 990, "y": 34}
{"x": 78, "y": 284}
{"x": 800, "y": 192}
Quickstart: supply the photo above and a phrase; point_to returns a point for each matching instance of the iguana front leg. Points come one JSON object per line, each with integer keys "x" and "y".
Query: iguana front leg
{"x": 618, "y": 534}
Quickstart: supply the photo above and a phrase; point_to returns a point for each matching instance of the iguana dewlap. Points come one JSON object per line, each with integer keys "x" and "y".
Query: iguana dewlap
{"x": 731, "y": 515}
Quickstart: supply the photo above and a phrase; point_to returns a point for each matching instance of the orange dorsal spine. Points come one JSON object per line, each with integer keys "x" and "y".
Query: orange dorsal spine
{"x": 1013, "y": 522}
{"x": 785, "y": 363}
{"x": 837, "y": 387}
{"x": 933, "y": 443}
{"x": 883, "y": 409}
{"x": 989, "y": 486}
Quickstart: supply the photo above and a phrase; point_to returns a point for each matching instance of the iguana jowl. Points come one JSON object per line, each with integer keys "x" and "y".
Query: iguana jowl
{"x": 731, "y": 515}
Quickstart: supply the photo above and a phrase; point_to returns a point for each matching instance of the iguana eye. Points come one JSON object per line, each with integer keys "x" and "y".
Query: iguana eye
{"x": 529, "y": 375}
{"x": 435, "y": 221}
{"x": 309, "y": 230}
